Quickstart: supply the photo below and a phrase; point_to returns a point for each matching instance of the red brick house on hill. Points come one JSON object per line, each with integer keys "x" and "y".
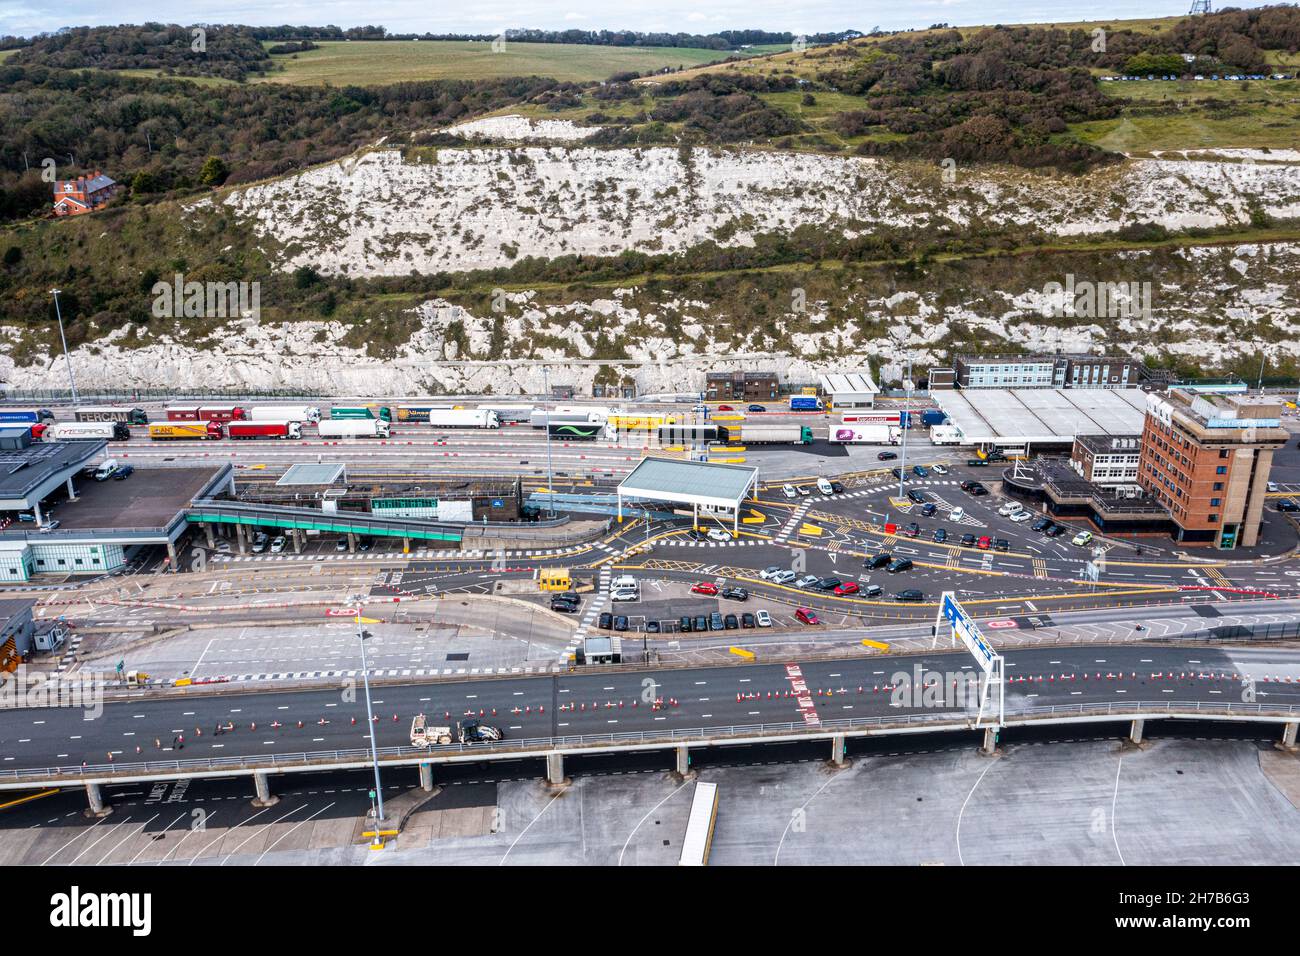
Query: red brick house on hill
{"x": 72, "y": 197}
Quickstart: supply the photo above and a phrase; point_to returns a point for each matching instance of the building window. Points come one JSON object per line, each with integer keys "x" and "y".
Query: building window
{"x": 1218, "y": 486}
{"x": 1213, "y": 519}
{"x": 1221, "y": 470}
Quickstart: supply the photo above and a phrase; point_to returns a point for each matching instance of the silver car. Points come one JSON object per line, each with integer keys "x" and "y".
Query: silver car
{"x": 783, "y": 577}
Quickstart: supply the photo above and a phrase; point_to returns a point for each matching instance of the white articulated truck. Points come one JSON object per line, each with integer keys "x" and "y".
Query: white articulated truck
{"x": 284, "y": 413}
{"x": 86, "y": 431}
{"x": 353, "y": 428}
{"x": 463, "y": 418}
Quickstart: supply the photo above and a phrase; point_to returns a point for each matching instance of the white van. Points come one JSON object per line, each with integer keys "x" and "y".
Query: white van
{"x": 624, "y": 588}
{"x": 105, "y": 471}
{"x": 824, "y": 487}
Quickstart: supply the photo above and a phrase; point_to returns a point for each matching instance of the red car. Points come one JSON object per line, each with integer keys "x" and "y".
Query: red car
{"x": 806, "y": 615}
{"x": 848, "y": 587}
{"x": 984, "y": 543}
{"x": 705, "y": 587}
{"x": 725, "y": 408}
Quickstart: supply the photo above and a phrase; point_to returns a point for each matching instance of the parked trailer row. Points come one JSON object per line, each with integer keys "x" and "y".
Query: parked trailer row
{"x": 191, "y": 431}
{"x": 766, "y": 434}
{"x": 381, "y": 412}
{"x": 24, "y": 416}
{"x": 206, "y": 413}
{"x": 111, "y": 413}
{"x": 264, "y": 429}
{"x": 353, "y": 428}
{"x": 84, "y": 431}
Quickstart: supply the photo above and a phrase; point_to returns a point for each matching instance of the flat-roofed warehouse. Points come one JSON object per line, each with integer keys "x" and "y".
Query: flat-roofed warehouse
{"x": 850, "y": 389}
{"x": 699, "y": 484}
{"x": 1008, "y": 418}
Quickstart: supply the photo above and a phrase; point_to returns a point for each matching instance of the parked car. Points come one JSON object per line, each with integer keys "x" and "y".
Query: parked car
{"x": 807, "y": 615}
{"x": 260, "y": 540}
{"x": 1042, "y": 524}
{"x": 757, "y": 408}
{"x": 899, "y": 564}
{"x": 717, "y": 534}
{"x": 1001, "y": 544}
{"x": 803, "y": 490}
{"x": 789, "y": 492}
{"x": 807, "y": 581}
{"x": 929, "y": 509}
{"x": 828, "y": 584}
{"x": 606, "y": 621}
{"x": 735, "y": 594}
{"x": 278, "y": 543}
{"x": 564, "y": 607}
{"x": 747, "y": 620}
{"x": 1021, "y": 516}
{"x": 1082, "y": 539}
{"x": 620, "y": 623}
{"x": 967, "y": 540}
{"x": 915, "y": 497}
{"x": 846, "y": 587}
{"x": 837, "y": 488}
{"x": 341, "y": 544}
{"x": 363, "y": 544}
{"x": 872, "y": 591}
{"x": 725, "y": 408}
{"x": 912, "y": 530}
{"x": 701, "y": 623}
{"x": 731, "y": 622}
{"x": 652, "y": 627}
{"x": 911, "y": 594}
{"x": 984, "y": 543}
{"x": 123, "y": 471}
{"x": 886, "y": 456}
{"x": 684, "y": 625}
{"x": 898, "y": 473}
{"x": 939, "y": 469}
{"x": 1010, "y": 507}
{"x": 940, "y": 535}
{"x": 1055, "y": 530}
{"x": 957, "y": 514}
{"x": 767, "y": 574}
{"x": 763, "y": 619}
{"x": 920, "y": 471}
{"x": 1287, "y": 504}
{"x": 978, "y": 490}
{"x": 783, "y": 577}
{"x": 877, "y": 561}
{"x": 715, "y": 621}
{"x": 705, "y": 587}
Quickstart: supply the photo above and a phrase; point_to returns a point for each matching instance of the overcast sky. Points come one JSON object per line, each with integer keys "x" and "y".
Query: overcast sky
{"x": 25, "y": 17}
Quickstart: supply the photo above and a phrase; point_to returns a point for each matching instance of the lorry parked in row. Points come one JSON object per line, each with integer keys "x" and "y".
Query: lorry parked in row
{"x": 510, "y": 414}
{"x": 264, "y": 429}
{"x": 381, "y": 412}
{"x": 206, "y": 413}
{"x": 420, "y": 413}
{"x": 192, "y": 431}
{"x": 575, "y": 414}
{"x": 463, "y": 418}
{"x": 111, "y": 413}
{"x": 24, "y": 416}
{"x": 859, "y": 434}
{"x": 353, "y": 428}
{"x": 766, "y": 434}
{"x": 284, "y": 413}
{"x": 86, "y": 431}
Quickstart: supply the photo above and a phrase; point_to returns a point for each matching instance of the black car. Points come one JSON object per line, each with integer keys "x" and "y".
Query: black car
{"x": 940, "y": 535}
{"x": 886, "y": 456}
{"x": 715, "y": 621}
{"x": 978, "y": 490}
{"x": 967, "y": 540}
{"x": 363, "y": 544}
{"x": 620, "y": 623}
{"x": 968, "y": 484}
{"x": 898, "y": 473}
{"x": 695, "y": 534}
{"x": 735, "y": 594}
{"x": 1042, "y": 524}
{"x": 1001, "y": 544}
{"x": 747, "y": 620}
{"x": 899, "y": 564}
{"x": 929, "y": 509}
{"x": 756, "y": 408}
{"x": 1287, "y": 504}
{"x": 1055, "y": 530}
{"x": 684, "y": 625}
{"x": 730, "y": 622}
{"x": 652, "y": 627}
{"x": 915, "y": 497}
{"x": 837, "y": 488}
{"x": 564, "y": 607}
{"x": 123, "y": 471}
{"x": 828, "y": 584}
{"x": 878, "y": 561}
{"x": 701, "y": 623}
{"x": 911, "y": 594}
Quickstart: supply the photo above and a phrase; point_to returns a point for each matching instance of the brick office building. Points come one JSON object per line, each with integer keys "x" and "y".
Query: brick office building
{"x": 1206, "y": 458}
{"x": 741, "y": 386}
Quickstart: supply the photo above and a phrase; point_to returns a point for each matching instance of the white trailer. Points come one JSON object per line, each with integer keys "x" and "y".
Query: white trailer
{"x": 509, "y": 414}
{"x": 353, "y": 428}
{"x": 464, "y": 418}
{"x": 568, "y": 415}
{"x": 284, "y": 413}
{"x": 857, "y": 434}
{"x": 86, "y": 431}
{"x": 945, "y": 435}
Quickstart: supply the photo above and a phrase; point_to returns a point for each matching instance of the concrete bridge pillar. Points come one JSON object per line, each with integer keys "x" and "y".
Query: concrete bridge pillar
{"x": 241, "y": 538}
{"x": 171, "y": 555}
{"x": 296, "y": 536}
{"x": 838, "y": 760}
{"x": 1135, "y": 731}
{"x": 683, "y": 762}
{"x": 207, "y": 529}
{"x": 264, "y": 798}
{"x": 1288, "y": 737}
{"x": 96, "y": 799}
{"x": 72, "y": 492}
{"x": 990, "y": 746}
{"x": 352, "y": 543}
{"x": 555, "y": 777}
{"x": 426, "y": 777}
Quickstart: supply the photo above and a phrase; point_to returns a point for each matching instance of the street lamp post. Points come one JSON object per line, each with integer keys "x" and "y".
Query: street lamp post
{"x": 903, "y": 420}
{"x": 64, "y": 339}
{"x": 550, "y": 478}
{"x": 370, "y": 716}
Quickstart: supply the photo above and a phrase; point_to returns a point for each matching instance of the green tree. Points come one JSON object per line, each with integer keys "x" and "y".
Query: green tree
{"x": 214, "y": 171}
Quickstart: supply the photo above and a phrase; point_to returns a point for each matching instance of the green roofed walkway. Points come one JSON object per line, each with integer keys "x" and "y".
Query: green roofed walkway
{"x": 311, "y": 519}
{"x": 696, "y": 483}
